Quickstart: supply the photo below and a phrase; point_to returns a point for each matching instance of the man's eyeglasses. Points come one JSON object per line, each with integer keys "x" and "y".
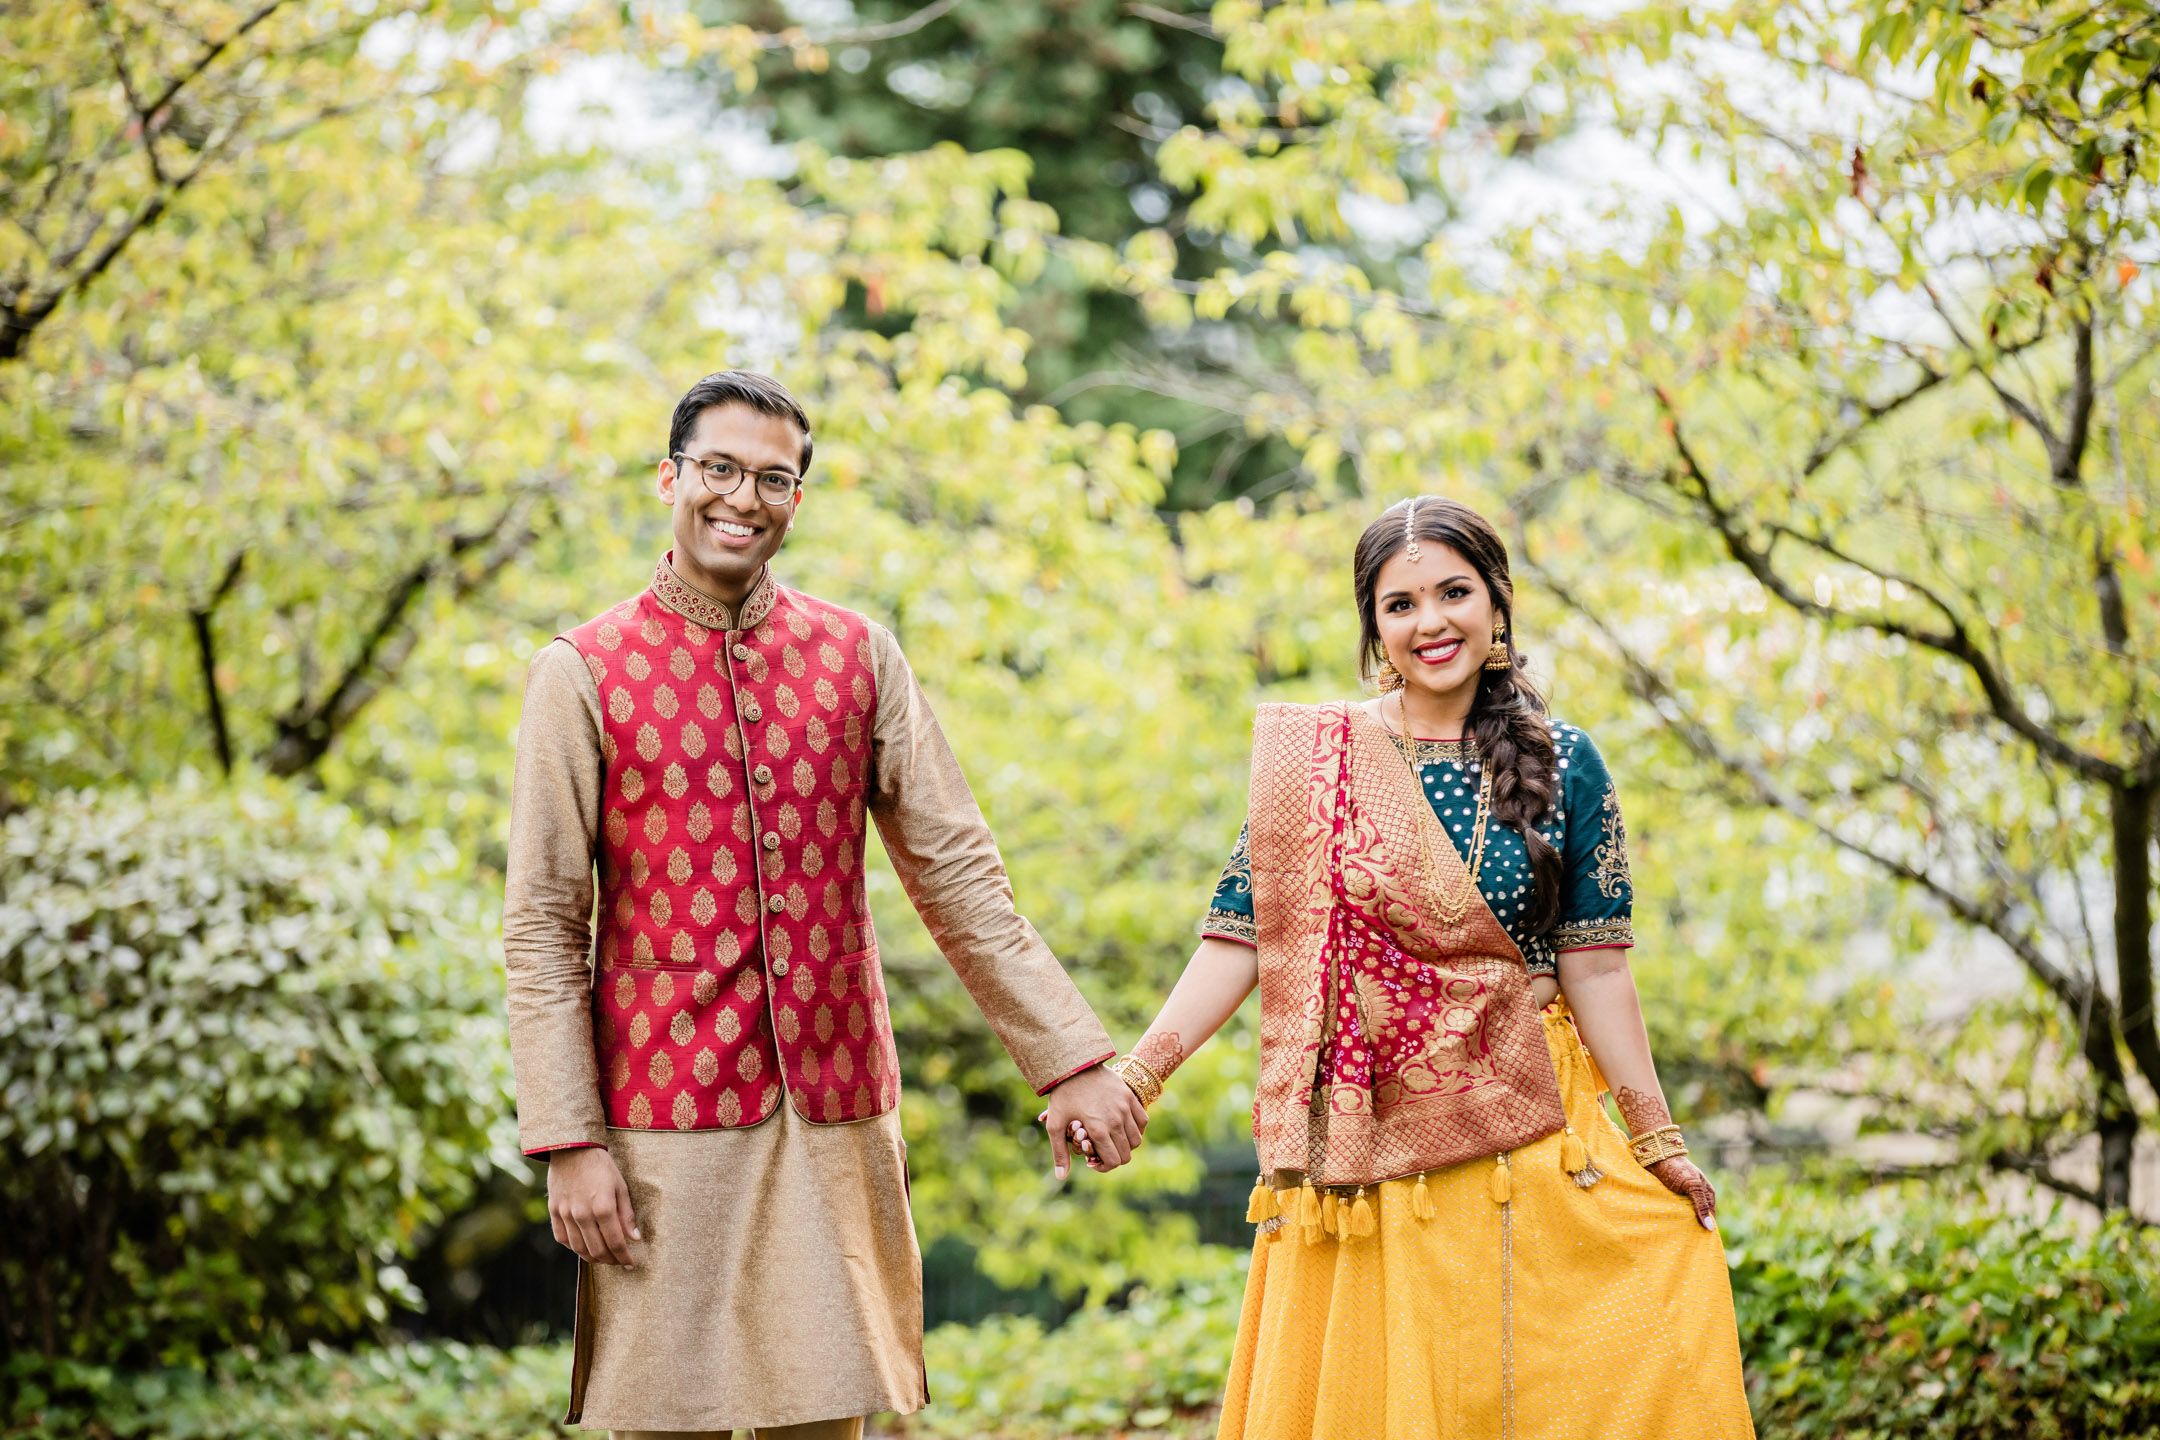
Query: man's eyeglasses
{"x": 725, "y": 477}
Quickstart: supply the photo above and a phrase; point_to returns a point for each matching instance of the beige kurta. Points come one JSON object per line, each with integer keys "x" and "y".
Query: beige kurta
{"x": 779, "y": 1280}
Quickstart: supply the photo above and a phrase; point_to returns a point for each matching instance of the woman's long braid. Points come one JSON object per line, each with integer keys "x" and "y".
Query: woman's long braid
{"x": 1514, "y": 737}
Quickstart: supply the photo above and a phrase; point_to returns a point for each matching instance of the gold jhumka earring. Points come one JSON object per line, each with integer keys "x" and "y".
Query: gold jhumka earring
{"x": 1387, "y": 677}
{"x": 1498, "y": 658}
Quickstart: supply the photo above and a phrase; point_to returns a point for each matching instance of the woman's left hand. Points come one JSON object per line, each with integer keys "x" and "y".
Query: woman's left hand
{"x": 1680, "y": 1176}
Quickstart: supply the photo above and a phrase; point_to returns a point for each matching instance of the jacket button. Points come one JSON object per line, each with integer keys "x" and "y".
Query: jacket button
{"x": 763, "y": 774}
{"x": 779, "y": 967}
{"x": 742, "y": 651}
{"x": 776, "y": 904}
{"x": 772, "y": 840}
{"x": 752, "y": 712}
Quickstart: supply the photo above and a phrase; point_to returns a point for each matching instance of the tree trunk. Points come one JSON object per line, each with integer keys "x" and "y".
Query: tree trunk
{"x": 2133, "y": 930}
{"x": 2131, "y": 812}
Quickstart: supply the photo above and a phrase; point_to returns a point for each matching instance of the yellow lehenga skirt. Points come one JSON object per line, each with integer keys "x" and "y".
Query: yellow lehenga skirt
{"x": 1568, "y": 1314}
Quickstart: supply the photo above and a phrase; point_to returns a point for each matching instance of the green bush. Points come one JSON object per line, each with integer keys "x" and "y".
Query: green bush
{"x": 1154, "y": 1365}
{"x": 445, "y": 1392}
{"x": 247, "y": 1050}
{"x": 1885, "y": 1317}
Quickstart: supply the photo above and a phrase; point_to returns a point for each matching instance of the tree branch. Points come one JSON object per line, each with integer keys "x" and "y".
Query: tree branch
{"x": 2016, "y": 405}
{"x": 1873, "y": 412}
{"x": 21, "y": 315}
{"x": 860, "y": 35}
{"x": 2036, "y": 1168}
{"x": 306, "y": 731}
{"x": 2066, "y": 465}
{"x": 210, "y": 54}
{"x": 1830, "y": 444}
{"x": 206, "y": 654}
{"x": 127, "y": 90}
{"x": 1197, "y": 24}
{"x": 1955, "y": 641}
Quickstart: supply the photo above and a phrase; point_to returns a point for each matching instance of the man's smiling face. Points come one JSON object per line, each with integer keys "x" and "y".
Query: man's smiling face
{"x": 723, "y": 541}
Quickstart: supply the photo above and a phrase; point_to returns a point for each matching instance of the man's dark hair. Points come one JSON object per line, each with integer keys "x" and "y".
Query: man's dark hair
{"x": 761, "y": 393}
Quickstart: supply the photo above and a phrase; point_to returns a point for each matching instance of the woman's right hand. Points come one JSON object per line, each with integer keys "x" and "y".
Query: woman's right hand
{"x": 1077, "y": 1137}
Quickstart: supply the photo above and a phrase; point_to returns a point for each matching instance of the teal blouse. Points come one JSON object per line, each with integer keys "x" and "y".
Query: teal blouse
{"x": 1596, "y": 896}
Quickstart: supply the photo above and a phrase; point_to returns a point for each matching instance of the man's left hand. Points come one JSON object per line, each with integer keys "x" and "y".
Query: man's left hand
{"x": 1109, "y": 1113}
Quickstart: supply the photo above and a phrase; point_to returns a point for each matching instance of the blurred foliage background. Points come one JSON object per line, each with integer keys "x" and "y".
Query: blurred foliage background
{"x": 1803, "y": 351}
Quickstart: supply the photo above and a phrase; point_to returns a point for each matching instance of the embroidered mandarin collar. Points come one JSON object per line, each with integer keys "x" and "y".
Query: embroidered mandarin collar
{"x": 692, "y": 603}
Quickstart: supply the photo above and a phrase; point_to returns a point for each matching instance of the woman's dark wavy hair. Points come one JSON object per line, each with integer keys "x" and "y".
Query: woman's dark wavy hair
{"x": 1508, "y": 718}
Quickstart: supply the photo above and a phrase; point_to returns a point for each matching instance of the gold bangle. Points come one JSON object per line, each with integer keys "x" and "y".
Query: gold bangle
{"x": 1136, "y": 1073}
{"x": 1652, "y": 1146}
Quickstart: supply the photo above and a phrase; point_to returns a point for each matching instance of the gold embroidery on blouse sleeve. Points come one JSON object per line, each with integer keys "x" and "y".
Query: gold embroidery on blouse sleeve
{"x": 1612, "y": 864}
{"x": 1229, "y": 925}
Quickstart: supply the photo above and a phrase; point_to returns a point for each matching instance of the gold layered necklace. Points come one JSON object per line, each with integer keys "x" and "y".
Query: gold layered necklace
{"x": 1453, "y": 905}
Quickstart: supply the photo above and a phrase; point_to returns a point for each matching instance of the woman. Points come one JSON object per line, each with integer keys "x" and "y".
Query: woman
{"x": 1432, "y": 894}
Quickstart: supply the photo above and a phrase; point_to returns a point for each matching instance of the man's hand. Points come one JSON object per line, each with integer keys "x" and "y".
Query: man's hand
{"x": 1107, "y": 1110}
{"x": 589, "y": 1206}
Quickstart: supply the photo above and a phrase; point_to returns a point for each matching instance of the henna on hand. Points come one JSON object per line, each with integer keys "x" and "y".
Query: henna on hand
{"x": 1162, "y": 1052}
{"x": 1680, "y": 1175}
{"x": 1644, "y": 1110}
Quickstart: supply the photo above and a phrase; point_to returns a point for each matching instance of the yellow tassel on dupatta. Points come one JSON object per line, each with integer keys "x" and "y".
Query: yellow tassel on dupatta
{"x": 1421, "y": 1201}
{"x": 1361, "y": 1216}
{"x": 1262, "y": 1204}
{"x": 1308, "y": 1213}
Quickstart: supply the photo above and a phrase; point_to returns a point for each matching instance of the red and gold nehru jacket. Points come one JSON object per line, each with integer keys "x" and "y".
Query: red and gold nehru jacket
{"x": 735, "y": 952}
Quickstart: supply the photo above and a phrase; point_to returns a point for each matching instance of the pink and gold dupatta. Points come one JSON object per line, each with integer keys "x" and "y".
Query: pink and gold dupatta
{"x": 1397, "y": 1033}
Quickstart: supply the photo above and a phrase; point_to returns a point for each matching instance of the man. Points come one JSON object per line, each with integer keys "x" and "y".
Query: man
{"x": 714, "y": 1081}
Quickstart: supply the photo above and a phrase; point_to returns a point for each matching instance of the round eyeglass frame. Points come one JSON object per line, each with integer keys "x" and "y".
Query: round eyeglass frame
{"x": 788, "y": 483}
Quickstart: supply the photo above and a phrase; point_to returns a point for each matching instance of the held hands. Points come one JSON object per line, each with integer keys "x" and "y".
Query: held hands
{"x": 589, "y": 1206}
{"x": 1098, "y": 1113}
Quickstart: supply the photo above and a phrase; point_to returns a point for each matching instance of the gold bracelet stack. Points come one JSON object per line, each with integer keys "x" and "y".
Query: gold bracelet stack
{"x": 1662, "y": 1143}
{"x": 1145, "y": 1082}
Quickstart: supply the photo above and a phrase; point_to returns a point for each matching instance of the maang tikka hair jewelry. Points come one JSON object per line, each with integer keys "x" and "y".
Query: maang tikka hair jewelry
{"x": 1409, "y": 519}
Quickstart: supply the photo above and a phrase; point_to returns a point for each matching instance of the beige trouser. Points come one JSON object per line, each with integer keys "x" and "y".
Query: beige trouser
{"x": 850, "y": 1429}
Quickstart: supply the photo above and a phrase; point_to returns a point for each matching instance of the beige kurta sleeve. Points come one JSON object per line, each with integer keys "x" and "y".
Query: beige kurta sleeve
{"x": 949, "y": 865}
{"x": 547, "y": 904}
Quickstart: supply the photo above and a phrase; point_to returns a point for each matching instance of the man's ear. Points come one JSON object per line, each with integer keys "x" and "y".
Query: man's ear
{"x": 664, "y": 481}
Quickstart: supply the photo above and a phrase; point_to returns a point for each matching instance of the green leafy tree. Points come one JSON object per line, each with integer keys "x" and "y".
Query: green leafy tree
{"x": 1088, "y": 92}
{"x": 354, "y": 376}
{"x": 117, "y": 109}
